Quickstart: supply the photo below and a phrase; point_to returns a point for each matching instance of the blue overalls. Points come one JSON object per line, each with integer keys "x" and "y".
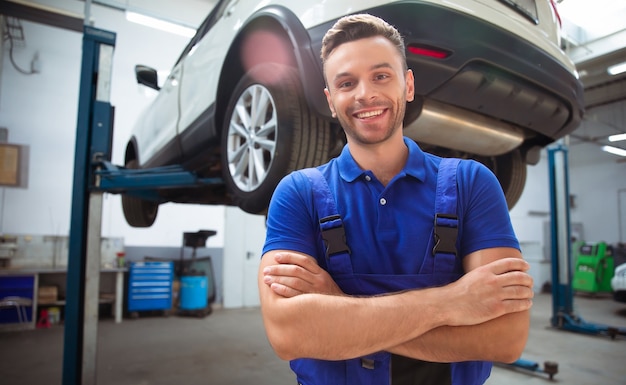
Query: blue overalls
{"x": 437, "y": 269}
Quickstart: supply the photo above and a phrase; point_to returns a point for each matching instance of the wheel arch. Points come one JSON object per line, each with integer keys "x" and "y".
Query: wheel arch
{"x": 131, "y": 151}
{"x": 287, "y": 26}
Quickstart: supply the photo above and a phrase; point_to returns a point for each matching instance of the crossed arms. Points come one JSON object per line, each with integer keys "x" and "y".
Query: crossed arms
{"x": 482, "y": 316}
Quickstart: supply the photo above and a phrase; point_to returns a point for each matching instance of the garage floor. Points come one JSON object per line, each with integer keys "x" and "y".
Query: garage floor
{"x": 229, "y": 347}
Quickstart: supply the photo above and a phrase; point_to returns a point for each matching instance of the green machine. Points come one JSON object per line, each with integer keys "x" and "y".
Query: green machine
{"x": 594, "y": 267}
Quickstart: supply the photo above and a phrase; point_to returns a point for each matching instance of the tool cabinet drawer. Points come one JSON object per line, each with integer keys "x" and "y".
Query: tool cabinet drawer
{"x": 150, "y": 286}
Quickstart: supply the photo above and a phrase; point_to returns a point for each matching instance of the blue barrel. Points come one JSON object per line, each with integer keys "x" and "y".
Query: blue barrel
{"x": 193, "y": 292}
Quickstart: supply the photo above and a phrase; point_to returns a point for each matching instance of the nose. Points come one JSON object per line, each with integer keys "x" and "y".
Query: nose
{"x": 364, "y": 91}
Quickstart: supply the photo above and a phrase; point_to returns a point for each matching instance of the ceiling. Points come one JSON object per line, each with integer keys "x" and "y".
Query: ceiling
{"x": 595, "y": 39}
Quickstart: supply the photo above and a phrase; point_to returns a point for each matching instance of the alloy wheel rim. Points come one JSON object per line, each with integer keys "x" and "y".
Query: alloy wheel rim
{"x": 252, "y": 138}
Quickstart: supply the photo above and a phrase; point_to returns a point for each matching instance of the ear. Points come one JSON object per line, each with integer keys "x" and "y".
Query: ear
{"x": 330, "y": 103}
{"x": 410, "y": 86}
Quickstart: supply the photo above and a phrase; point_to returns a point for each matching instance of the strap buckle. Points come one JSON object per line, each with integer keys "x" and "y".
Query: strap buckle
{"x": 445, "y": 232}
{"x": 334, "y": 237}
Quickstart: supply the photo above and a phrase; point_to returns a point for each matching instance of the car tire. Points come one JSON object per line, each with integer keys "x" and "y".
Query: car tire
{"x": 259, "y": 149}
{"x": 138, "y": 212}
{"x": 510, "y": 170}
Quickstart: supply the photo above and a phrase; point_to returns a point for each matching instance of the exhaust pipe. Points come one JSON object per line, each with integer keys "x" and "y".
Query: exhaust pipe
{"x": 459, "y": 129}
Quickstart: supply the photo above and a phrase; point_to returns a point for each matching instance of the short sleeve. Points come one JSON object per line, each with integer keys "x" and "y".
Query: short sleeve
{"x": 291, "y": 224}
{"x": 485, "y": 216}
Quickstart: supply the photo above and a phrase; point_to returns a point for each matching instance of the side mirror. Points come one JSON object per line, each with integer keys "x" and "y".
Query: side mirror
{"x": 147, "y": 76}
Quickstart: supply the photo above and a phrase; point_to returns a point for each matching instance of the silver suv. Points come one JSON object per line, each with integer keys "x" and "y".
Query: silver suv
{"x": 244, "y": 103}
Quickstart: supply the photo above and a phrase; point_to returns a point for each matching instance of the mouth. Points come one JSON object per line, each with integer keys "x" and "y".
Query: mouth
{"x": 369, "y": 114}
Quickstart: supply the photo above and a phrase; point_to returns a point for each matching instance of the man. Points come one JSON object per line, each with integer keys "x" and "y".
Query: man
{"x": 445, "y": 319}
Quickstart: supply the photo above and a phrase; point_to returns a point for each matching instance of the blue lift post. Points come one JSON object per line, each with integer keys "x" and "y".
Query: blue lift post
{"x": 94, "y": 121}
{"x": 93, "y": 175}
{"x": 563, "y": 315}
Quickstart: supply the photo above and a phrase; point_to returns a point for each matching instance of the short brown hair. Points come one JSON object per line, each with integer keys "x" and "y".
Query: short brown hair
{"x": 354, "y": 27}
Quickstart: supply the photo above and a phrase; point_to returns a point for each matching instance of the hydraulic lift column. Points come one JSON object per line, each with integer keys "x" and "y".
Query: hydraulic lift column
{"x": 560, "y": 243}
{"x": 563, "y": 315}
{"x": 93, "y": 140}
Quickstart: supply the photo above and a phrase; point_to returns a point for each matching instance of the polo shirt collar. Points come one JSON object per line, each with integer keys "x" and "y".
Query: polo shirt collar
{"x": 415, "y": 165}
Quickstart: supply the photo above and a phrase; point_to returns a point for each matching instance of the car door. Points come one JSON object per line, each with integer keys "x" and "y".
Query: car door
{"x": 159, "y": 128}
{"x": 158, "y": 125}
{"x": 203, "y": 64}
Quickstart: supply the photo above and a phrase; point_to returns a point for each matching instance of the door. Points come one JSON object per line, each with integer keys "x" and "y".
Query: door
{"x": 244, "y": 235}
{"x": 621, "y": 204}
{"x": 157, "y": 126}
{"x": 255, "y": 238}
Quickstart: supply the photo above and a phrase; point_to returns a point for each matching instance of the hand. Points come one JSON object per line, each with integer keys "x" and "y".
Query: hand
{"x": 297, "y": 274}
{"x": 490, "y": 291}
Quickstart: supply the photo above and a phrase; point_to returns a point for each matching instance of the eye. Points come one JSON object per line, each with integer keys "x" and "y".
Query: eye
{"x": 381, "y": 76}
{"x": 345, "y": 84}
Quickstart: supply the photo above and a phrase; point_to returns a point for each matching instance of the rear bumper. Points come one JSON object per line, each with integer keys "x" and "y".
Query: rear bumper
{"x": 489, "y": 70}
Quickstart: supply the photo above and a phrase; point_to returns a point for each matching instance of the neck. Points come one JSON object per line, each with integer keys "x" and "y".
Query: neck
{"x": 385, "y": 159}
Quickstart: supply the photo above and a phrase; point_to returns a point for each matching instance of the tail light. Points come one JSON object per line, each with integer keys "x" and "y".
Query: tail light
{"x": 427, "y": 51}
{"x": 556, "y": 12}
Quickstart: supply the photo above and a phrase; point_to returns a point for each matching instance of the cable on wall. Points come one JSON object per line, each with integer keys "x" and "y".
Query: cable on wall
{"x": 14, "y": 34}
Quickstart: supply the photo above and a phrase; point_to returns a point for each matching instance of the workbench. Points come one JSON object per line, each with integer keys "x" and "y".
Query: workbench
{"x": 111, "y": 289}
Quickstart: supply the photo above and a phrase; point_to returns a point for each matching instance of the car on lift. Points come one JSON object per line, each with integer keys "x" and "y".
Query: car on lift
{"x": 618, "y": 280}
{"x": 244, "y": 103}
{"x": 618, "y": 283}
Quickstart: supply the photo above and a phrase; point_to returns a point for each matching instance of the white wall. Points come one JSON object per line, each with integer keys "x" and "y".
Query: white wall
{"x": 595, "y": 187}
{"x": 533, "y": 208}
{"x": 595, "y": 181}
{"x": 41, "y": 110}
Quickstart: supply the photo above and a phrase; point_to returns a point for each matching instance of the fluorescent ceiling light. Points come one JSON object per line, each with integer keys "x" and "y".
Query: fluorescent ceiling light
{"x": 617, "y": 138}
{"x": 614, "y": 150}
{"x": 616, "y": 69}
{"x": 160, "y": 24}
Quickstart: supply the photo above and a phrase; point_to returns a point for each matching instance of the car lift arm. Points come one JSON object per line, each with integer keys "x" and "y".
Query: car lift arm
{"x": 144, "y": 183}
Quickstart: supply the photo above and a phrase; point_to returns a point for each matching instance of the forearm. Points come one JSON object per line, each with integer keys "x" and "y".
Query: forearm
{"x": 302, "y": 323}
{"x": 502, "y": 340}
{"x": 342, "y": 327}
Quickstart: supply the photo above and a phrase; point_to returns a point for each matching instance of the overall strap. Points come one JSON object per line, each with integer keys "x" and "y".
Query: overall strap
{"x": 446, "y": 217}
{"x": 331, "y": 225}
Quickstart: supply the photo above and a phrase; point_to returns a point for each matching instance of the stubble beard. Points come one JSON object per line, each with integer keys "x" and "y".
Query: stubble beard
{"x": 396, "y": 124}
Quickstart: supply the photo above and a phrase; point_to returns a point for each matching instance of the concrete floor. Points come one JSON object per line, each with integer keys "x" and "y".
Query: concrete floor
{"x": 229, "y": 347}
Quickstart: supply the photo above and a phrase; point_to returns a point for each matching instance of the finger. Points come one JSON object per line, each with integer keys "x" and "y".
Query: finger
{"x": 285, "y": 257}
{"x": 293, "y": 271}
{"x": 520, "y": 278}
{"x": 297, "y": 259}
{"x": 284, "y": 269}
{"x": 517, "y": 292}
{"x": 517, "y": 305}
{"x": 297, "y": 284}
{"x": 505, "y": 265}
{"x": 284, "y": 291}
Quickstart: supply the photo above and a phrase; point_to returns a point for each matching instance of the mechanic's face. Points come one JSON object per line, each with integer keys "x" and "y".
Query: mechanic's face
{"x": 368, "y": 89}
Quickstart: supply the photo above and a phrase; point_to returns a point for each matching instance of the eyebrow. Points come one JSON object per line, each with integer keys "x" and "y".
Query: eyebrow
{"x": 374, "y": 67}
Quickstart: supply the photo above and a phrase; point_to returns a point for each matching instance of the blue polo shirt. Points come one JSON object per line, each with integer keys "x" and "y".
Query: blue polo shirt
{"x": 387, "y": 227}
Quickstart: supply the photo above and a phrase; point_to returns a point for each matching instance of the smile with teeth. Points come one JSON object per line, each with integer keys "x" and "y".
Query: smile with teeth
{"x": 369, "y": 114}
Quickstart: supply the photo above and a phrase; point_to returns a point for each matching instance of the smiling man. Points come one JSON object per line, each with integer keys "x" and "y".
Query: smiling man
{"x": 389, "y": 306}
